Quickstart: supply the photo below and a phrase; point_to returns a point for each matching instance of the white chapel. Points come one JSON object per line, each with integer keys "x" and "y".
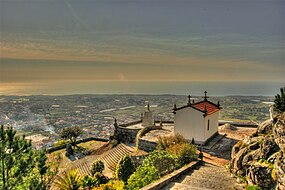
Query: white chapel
{"x": 197, "y": 120}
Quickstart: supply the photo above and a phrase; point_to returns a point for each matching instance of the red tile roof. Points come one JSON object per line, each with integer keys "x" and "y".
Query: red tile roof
{"x": 210, "y": 107}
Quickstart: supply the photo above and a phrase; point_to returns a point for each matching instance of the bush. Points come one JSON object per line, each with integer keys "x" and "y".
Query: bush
{"x": 89, "y": 182}
{"x": 167, "y": 141}
{"x": 184, "y": 153}
{"x": 161, "y": 160}
{"x": 156, "y": 164}
{"x": 143, "y": 176}
{"x": 98, "y": 166}
{"x": 101, "y": 178}
{"x": 125, "y": 168}
{"x": 98, "y": 179}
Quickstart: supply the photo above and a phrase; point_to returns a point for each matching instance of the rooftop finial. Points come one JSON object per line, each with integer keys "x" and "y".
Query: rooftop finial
{"x": 174, "y": 107}
{"x": 115, "y": 123}
{"x": 189, "y": 99}
{"x": 218, "y": 104}
{"x": 205, "y": 97}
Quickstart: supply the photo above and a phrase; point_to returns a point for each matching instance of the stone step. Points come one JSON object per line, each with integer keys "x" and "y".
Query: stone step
{"x": 180, "y": 186}
{"x": 204, "y": 176}
{"x": 206, "y": 173}
{"x": 113, "y": 156}
{"x": 218, "y": 183}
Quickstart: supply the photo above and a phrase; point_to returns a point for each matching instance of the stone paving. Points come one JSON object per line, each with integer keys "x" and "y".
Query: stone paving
{"x": 206, "y": 177}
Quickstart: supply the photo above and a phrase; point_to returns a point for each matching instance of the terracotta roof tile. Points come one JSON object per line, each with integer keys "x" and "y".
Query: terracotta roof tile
{"x": 210, "y": 107}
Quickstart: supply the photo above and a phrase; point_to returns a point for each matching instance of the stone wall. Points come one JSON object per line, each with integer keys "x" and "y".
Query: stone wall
{"x": 146, "y": 145}
{"x": 125, "y": 135}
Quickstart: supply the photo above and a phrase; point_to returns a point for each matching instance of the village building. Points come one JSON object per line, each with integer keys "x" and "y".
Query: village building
{"x": 197, "y": 121}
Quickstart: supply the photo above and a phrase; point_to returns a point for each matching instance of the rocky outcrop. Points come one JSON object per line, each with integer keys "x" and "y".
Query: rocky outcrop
{"x": 279, "y": 167}
{"x": 261, "y": 176}
{"x": 260, "y": 159}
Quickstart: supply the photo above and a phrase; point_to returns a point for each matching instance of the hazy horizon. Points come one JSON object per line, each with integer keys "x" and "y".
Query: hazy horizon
{"x": 141, "y": 46}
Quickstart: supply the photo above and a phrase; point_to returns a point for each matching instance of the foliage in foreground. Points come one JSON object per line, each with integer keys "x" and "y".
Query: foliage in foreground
{"x": 22, "y": 167}
{"x": 125, "y": 168}
{"x": 68, "y": 181}
{"x": 156, "y": 164}
{"x": 279, "y": 101}
{"x": 144, "y": 175}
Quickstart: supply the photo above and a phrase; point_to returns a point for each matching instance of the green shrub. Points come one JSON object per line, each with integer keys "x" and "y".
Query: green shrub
{"x": 101, "y": 178}
{"x": 184, "y": 153}
{"x": 156, "y": 164}
{"x": 125, "y": 168}
{"x": 167, "y": 141}
{"x": 88, "y": 182}
{"x": 98, "y": 166}
{"x": 144, "y": 175}
{"x": 161, "y": 160}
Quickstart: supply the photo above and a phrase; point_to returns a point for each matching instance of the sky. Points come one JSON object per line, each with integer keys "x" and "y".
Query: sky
{"x": 50, "y": 45}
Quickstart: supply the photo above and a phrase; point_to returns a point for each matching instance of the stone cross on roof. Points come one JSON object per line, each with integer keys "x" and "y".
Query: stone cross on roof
{"x": 189, "y": 99}
{"x": 205, "y": 97}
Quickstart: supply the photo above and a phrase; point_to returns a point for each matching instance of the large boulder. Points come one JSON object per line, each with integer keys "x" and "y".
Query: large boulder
{"x": 279, "y": 167}
{"x": 279, "y": 132}
{"x": 260, "y": 175}
{"x": 236, "y": 164}
{"x": 265, "y": 127}
{"x": 268, "y": 147}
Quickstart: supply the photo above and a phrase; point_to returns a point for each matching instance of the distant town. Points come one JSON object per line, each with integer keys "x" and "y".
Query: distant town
{"x": 41, "y": 118}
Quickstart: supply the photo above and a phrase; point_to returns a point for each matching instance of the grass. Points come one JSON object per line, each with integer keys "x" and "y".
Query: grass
{"x": 63, "y": 162}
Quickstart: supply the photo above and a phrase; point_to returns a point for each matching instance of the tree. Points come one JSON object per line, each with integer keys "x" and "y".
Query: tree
{"x": 21, "y": 166}
{"x": 97, "y": 166}
{"x": 125, "y": 168}
{"x": 279, "y": 101}
{"x": 71, "y": 133}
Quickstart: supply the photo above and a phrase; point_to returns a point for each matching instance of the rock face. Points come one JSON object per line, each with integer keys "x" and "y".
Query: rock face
{"x": 260, "y": 159}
